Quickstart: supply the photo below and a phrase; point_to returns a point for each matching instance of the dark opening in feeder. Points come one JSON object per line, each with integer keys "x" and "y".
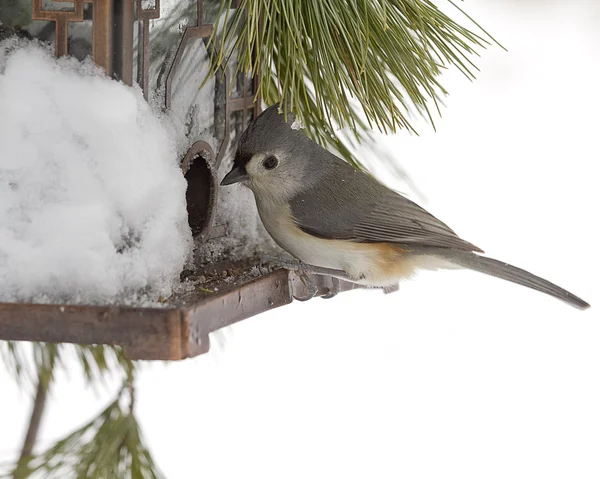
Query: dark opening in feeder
{"x": 201, "y": 192}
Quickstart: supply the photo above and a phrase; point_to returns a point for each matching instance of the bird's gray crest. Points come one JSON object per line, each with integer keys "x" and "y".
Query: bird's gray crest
{"x": 268, "y": 132}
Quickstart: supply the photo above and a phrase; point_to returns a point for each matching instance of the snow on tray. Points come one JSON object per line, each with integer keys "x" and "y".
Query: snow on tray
{"x": 92, "y": 200}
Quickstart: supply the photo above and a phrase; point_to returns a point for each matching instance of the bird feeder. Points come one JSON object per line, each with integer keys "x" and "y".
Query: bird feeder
{"x": 165, "y": 50}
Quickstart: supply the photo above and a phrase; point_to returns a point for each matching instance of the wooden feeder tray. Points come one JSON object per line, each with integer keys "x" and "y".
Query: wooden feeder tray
{"x": 178, "y": 330}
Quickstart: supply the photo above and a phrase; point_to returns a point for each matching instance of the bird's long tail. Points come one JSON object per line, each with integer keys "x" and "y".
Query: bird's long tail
{"x": 511, "y": 273}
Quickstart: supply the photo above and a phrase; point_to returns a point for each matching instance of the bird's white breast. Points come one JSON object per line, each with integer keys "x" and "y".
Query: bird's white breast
{"x": 307, "y": 248}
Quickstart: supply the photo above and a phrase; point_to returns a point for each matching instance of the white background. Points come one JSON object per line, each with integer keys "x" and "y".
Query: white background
{"x": 457, "y": 375}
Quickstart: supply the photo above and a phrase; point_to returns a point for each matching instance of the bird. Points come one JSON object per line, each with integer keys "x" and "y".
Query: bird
{"x": 339, "y": 221}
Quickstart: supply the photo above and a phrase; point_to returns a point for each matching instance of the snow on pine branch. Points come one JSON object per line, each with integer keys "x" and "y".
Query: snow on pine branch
{"x": 92, "y": 200}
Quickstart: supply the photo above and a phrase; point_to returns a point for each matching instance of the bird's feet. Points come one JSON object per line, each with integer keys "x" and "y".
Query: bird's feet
{"x": 303, "y": 270}
{"x": 267, "y": 263}
{"x": 334, "y": 290}
{"x": 390, "y": 289}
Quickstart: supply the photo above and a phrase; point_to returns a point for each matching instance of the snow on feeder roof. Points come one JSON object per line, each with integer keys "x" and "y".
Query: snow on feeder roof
{"x": 93, "y": 231}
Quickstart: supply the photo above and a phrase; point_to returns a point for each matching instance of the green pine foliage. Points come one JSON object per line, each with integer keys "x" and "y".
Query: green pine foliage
{"x": 108, "y": 446}
{"x": 336, "y": 62}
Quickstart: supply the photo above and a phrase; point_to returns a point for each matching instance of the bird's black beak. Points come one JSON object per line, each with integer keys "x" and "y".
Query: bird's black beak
{"x": 237, "y": 174}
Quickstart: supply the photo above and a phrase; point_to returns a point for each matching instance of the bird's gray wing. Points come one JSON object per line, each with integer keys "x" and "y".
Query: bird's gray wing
{"x": 347, "y": 204}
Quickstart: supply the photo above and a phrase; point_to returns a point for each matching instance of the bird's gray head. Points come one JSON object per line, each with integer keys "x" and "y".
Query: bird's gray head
{"x": 272, "y": 157}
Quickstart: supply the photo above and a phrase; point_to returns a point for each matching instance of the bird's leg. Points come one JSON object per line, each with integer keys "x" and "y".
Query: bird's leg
{"x": 300, "y": 267}
{"x": 289, "y": 264}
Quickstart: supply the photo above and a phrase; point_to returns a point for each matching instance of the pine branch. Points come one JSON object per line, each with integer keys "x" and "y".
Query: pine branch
{"x": 336, "y": 62}
{"x": 45, "y": 373}
{"x": 110, "y": 445}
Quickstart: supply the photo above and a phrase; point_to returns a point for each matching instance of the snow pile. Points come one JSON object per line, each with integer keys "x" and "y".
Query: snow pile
{"x": 92, "y": 201}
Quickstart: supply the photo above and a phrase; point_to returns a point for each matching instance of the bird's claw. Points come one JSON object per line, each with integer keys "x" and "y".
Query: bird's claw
{"x": 263, "y": 265}
{"x": 334, "y": 290}
{"x": 309, "y": 285}
{"x": 390, "y": 289}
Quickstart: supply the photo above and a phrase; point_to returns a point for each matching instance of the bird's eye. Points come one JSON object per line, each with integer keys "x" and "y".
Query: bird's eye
{"x": 270, "y": 162}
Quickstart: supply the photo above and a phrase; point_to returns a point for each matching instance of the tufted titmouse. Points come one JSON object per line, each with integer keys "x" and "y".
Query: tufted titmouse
{"x": 340, "y": 221}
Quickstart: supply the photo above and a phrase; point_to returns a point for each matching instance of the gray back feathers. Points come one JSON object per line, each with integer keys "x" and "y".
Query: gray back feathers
{"x": 344, "y": 203}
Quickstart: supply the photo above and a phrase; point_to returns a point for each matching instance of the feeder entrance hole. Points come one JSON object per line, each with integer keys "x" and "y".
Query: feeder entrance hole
{"x": 201, "y": 192}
